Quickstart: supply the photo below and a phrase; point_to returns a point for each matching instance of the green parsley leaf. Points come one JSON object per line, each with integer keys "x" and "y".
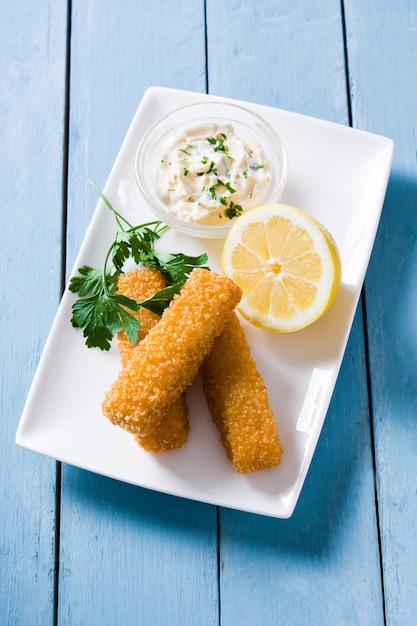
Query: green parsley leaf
{"x": 161, "y": 299}
{"x": 102, "y": 312}
{"x": 89, "y": 281}
{"x": 102, "y": 315}
{"x": 177, "y": 267}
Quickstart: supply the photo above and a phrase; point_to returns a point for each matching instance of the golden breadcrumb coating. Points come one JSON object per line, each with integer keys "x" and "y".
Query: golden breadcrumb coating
{"x": 172, "y": 430}
{"x": 139, "y": 285}
{"x": 237, "y": 398}
{"x": 167, "y": 360}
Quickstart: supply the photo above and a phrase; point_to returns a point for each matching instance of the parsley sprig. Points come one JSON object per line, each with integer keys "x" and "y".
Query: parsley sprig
{"x": 100, "y": 310}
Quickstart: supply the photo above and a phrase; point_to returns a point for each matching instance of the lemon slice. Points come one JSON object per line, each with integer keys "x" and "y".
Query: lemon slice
{"x": 287, "y": 265}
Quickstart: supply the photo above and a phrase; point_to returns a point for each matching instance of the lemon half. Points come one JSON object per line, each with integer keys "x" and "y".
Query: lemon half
{"x": 287, "y": 265}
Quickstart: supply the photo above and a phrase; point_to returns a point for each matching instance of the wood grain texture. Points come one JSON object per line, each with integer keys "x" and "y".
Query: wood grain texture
{"x": 279, "y": 53}
{"x": 133, "y": 556}
{"x": 383, "y": 73}
{"x": 128, "y": 556}
{"x": 292, "y": 572}
{"x": 32, "y": 99}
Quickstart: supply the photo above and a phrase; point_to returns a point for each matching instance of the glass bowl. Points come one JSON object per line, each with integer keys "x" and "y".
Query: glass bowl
{"x": 250, "y": 130}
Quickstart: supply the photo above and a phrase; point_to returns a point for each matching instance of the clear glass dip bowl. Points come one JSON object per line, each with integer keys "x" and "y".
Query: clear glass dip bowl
{"x": 247, "y": 126}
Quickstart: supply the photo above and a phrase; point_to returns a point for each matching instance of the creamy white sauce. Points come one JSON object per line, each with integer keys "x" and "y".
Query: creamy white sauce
{"x": 208, "y": 175}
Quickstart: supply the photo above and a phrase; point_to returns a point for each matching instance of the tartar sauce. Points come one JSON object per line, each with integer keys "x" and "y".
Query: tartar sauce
{"x": 209, "y": 175}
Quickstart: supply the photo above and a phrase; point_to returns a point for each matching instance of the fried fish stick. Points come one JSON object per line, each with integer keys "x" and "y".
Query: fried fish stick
{"x": 169, "y": 357}
{"x": 172, "y": 430}
{"x": 238, "y": 402}
{"x": 138, "y": 285}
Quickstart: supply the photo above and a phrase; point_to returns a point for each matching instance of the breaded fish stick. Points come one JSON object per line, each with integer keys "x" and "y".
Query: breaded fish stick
{"x": 169, "y": 357}
{"x": 237, "y": 398}
{"x": 172, "y": 430}
{"x": 139, "y": 284}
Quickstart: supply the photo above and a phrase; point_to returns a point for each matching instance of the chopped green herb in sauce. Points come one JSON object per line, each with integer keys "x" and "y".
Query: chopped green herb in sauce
{"x": 212, "y": 174}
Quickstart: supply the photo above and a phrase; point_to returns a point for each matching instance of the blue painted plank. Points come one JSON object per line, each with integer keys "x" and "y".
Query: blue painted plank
{"x": 284, "y": 54}
{"x": 32, "y": 99}
{"x": 322, "y": 565}
{"x": 382, "y": 48}
{"x": 128, "y": 555}
{"x": 117, "y": 53}
{"x": 132, "y": 556}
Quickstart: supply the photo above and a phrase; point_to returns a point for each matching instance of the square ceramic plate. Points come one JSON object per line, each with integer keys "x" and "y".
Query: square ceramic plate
{"x": 337, "y": 174}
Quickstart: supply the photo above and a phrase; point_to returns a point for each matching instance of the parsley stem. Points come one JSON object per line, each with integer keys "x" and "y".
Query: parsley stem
{"x": 119, "y": 218}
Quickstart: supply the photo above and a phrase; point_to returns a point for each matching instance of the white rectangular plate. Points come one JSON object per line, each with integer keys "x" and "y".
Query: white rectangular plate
{"x": 337, "y": 174}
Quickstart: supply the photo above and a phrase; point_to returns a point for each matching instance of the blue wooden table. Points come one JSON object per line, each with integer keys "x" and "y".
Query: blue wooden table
{"x": 78, "y": 548}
